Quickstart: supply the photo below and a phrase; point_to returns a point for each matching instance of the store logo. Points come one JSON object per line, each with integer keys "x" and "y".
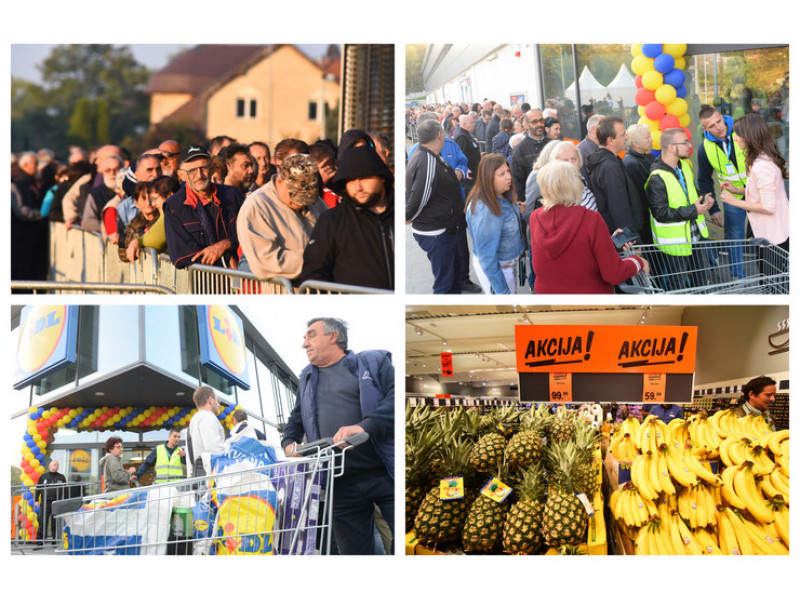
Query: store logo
{"x": 227, "y": 338}
{"x": 79, "y": 460}
{"x": 41, "y": 333}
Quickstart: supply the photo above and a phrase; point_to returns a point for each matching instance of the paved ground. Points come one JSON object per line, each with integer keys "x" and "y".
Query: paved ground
{"x": 419, "y": 277}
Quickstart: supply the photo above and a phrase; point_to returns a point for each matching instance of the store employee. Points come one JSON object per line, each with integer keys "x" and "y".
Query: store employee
{"x": 757, "y": 396}
{"x": 666, "y": 412}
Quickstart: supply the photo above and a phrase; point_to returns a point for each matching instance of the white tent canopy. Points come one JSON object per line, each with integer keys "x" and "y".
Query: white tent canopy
{"x": 590, "y": 87}
{"x": 624, "y": 85}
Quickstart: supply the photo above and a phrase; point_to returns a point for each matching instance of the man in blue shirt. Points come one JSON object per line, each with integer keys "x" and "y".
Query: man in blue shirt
{"x": 666, "y": 412}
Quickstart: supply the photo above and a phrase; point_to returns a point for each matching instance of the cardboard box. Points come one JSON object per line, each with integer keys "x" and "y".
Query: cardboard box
{"x": 618, "y": 472}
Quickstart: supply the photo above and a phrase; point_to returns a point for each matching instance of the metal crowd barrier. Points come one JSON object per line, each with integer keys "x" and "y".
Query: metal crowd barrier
{"x": 80, "y": 262}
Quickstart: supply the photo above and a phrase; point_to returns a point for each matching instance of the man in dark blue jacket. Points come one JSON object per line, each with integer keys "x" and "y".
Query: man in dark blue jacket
{"x": 340, "y": 394}
{"x": 200, "y": 218}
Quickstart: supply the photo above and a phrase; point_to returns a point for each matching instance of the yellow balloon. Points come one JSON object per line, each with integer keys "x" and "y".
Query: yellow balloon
{"x": 29, "y": 456}
{"x": 37, "y": 438}
{"x": 677, "y": 107}
{"x": 73, "y": 413}
{"x": 40, "y": 470}
{"x": 46, "y": 414}
{"x": 636, "y": 50}
{"x": 652, "y": 80}
{"x": 684, "y": 120}
{"x": 653, "y": 125}
{"x": 641, "y": 65}
{"x": 674, "y": 50}
{"x": 640, "y": 110}
{"x": 34, "y": 462}
{"x": 665, "y": 94}
{"x": 42, "y": 445}
{"x": 680, "y": 63}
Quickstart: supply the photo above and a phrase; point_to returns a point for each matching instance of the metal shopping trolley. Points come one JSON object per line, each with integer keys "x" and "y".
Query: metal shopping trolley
{"x": 280, "y": 508}
{"x": 714, "y": 267}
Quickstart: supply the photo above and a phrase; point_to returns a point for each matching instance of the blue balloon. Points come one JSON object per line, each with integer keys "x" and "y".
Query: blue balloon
{"x": 651, "y": 50}
{"x": 664, "y": 63}
{"x": 681, "y": 91}
{"x": 40, "y": 411}
{"x": 33, "y": 416}
{"x": 675, "y": 78}
{"x": 655, "y": 153}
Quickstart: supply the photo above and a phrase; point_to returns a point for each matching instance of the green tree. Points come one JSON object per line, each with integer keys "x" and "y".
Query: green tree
{"x": 415, "y": 54}
{"x": 74, "y": 72}
{"x": 82, "y": 122}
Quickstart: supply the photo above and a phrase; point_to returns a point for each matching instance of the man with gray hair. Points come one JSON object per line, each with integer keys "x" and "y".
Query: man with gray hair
{"x": 527, "y": 151}
{"x": 435, "y": 207}
{"x": 276, "y": 220}
{"x": 342, "y": 393}
{"x": 469, "y": 146}
{"x": 589, "y": 143}
{"x": 101, "y": 194}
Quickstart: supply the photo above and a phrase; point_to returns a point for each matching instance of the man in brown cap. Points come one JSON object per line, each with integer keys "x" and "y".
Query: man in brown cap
{"x": 276, "y": 220}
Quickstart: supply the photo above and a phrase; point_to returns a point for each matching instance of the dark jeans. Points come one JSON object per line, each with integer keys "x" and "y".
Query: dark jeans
{"x": 682, "y": 272}
{"x": 354, "y": 501}
{"x": 442, "y": 251}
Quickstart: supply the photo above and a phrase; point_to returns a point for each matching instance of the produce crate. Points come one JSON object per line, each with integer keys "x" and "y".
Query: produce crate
{"x": 415, "y": 548}
{"x": 618, "y": 472}
{"x": 596, "y": 542}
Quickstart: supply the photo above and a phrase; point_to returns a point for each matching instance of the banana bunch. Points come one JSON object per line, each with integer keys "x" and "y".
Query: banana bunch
{"x": 735, "y": 451}
{"x": 698, "y": 505}
{"x": 668, "y": 536}
{"x": 651, "y": 434}
{"x": 630, "y": 425}
{"x": 776, "y": 442}
{"x": 708, "y": 540}
{"x": 623, "y": 447}
{"x": 739, "y": 536}
{"x": 650, "y": 474}
{"x": 704, "y": 437}
{"x": 728, "y": 425}
{"x": 780, "y": 511}
{"x": 740, "y": 491}
{"x": 679, "y": 431}
{"x": 629, "y": 507}
{"x": 775, "y": 484}
{"x": 697, "y": 468}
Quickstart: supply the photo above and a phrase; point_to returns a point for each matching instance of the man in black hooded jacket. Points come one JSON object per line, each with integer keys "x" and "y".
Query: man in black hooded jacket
{"x": 353, "y": 243}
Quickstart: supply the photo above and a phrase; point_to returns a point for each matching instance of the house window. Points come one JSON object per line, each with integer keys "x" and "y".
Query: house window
{"x": 246, "y": 108}
{"x": 312, "y": 111}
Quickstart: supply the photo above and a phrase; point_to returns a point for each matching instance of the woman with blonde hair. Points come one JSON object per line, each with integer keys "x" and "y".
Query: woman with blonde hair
{"x": 493, "y": 222}
{"x": 571, "y": 248}
{"x": 565, "y": 151}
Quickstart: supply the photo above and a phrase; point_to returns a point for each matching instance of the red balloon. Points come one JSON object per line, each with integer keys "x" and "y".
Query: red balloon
{"x": 638, "y": 81}
{"x": 668, "y": 122}
{"x": 644, "y": 96}
{"x": 654, "y": 110}
{"x": 687, "y": 132}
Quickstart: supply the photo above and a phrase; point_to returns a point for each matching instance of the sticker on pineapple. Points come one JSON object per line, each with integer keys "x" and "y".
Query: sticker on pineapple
{"x": 586, "y": 504}
{"x": 503, "y": 428}
{"x": 451, "y": 488}
{"x": 496, "y": 490}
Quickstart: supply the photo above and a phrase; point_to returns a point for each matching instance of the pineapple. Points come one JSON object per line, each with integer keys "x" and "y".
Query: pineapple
{"x": 421, "y": 445}
{"x": 562, "y": 429}
{"x": 483, "y": 528}
{"x": 527, "y": 446}
{"x": 564, "y": 517}
{"x": 438, "y": 520}
{"x": 586, "y": 473}
{"x": 488, "y": 453}
{"x": 522, "y": 532}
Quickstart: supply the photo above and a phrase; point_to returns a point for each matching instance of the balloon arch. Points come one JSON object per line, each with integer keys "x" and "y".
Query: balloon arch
{"x": 43, "y": 423}
{"x": 660, "y": 93}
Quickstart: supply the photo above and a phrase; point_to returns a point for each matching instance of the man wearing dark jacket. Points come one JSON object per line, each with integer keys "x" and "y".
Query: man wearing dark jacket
{"x": 435, "y": 208}
{"x": 353, "y": 243}
{"x": 469, "y": 146}
{"x": 200, "y": 219}
{"x": 340, "y": 394}
{"x": 493, "y": 128}
{"x": 51, "y": 487}
{"x": 637, "y": 162}
{"x": 528, "y": 150}
{"x": 616, "y": 197}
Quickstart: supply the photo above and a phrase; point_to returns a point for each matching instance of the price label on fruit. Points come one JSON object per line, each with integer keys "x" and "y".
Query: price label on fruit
{"x": 654, "y": 388}
{"x": 451, "y": 488}
{"x": 496, "y": 490}
{"x": 560, "y": 387}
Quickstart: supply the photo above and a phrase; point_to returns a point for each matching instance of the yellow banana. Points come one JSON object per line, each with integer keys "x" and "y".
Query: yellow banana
{"x": 782, "y": 525}
{"x": 728, "y": 491}
{"x": 665, "y": 483}
{"x": 615, "y": 442}
{"x": 701, "y": 506}
{"x": 662, "y": 543}
{"x": 698, "y": 469}
{"x": 675, "y": 538}
{"x": 678, "y": 470}
{"x": 643, "y": 541}
{"x": 763, "y": 542}
{"x": 684, "y": 507}
{"x": 711, "y": 506}
{"x": 640, "y": 469}
{"x": 780, "y": 483}
{"x": 691, "y": 544}
{"x": 775, "y": 439}
{"x": 745, "y": 485}
{"x": 724, "y": 454}
{"x": 742, "y": 537}
{"x": 764, "y": 484}
{"x": 728, "y": 543}
{"x": 706, "y": 541}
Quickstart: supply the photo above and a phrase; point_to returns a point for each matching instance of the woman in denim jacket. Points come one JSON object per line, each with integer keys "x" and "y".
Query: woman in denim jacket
{"x": 493, "y": 222}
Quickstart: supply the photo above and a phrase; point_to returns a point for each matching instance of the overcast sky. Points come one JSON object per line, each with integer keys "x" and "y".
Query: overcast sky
{"x": 26, "y": 57}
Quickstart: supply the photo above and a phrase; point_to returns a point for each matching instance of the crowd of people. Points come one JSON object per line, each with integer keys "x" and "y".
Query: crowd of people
{"x": 319, "y": 211}
{"x": 575, "y": 230}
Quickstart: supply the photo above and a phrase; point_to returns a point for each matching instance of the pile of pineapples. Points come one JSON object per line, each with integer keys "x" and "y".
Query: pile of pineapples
{"x": 547, "y": 459}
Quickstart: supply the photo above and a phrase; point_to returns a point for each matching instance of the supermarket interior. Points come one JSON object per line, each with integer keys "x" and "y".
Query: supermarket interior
{"x": 599, "y": 430}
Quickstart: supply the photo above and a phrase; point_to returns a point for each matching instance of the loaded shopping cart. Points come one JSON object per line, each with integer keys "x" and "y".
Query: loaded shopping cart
{"x": 711, "y": 267}
{"x": 250, "y": 504}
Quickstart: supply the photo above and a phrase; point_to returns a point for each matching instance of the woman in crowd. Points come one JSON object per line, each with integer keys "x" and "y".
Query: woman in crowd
{"x": 765, "y": 198}
{"x": 493, "y": 222}
{"x": 556, "y": 150}
{"x": 160, "y": 189}
{"x": 146, "y": 217}
{"x": 571, "y": 248}
{"x": 552, "y": 128}
{"x": 115, "y": 477}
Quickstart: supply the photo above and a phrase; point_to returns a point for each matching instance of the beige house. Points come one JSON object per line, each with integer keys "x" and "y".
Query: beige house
{"x": 250, "y": 93}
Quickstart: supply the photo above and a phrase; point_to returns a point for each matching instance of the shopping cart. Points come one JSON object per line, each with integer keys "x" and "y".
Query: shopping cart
{"x": 714, "y": 267}
{"x": 280, "y": 508}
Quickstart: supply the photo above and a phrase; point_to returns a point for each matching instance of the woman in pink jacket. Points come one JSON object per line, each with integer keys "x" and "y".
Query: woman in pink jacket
{"x": 765, "y": 200}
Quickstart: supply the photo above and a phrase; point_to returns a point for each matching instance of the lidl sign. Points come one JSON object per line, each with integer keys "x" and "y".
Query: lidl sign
{"x": 47, "y": 342}
{"x": 222, "y": 344}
